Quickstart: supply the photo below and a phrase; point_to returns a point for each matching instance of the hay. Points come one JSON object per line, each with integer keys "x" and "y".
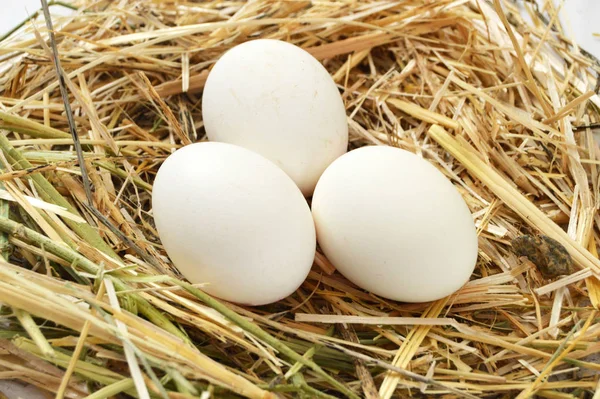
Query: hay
{"x": 92, "y": 306}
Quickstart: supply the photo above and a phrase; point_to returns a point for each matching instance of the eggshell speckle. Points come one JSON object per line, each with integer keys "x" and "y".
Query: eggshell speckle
{"x": 394, "y": 225}
{"x": 232, "y": 220}
{"x": 276, "y": 99}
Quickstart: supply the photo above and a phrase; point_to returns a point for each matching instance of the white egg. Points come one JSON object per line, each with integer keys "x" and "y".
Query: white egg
{"x": 232, "y": 220}
{"x": 394, "y": 225}
{"x": 276, "y": 99}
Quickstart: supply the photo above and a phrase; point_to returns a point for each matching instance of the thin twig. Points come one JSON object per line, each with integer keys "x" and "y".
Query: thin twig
{"x": 65, "y": 96}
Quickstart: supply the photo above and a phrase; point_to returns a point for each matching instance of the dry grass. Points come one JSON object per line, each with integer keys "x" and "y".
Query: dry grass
{"x": 507, "y": 110}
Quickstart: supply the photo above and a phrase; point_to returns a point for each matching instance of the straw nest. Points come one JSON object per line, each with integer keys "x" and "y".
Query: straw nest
{"x": 505, "y": 108}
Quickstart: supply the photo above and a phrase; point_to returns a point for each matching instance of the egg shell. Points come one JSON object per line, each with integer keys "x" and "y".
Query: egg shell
{"x": 276, "y": 99}
{"x": 393, "y": 224}
{"x": 232, "y": 220}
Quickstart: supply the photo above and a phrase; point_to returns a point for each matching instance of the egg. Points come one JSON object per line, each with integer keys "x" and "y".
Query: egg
{"x": 276, "y": 99}
{"x": 391, "y": 223}
{"x": 233, "y": 221}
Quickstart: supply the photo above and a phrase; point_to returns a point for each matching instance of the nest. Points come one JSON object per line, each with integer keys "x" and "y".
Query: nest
{"x": 506, "y": 109}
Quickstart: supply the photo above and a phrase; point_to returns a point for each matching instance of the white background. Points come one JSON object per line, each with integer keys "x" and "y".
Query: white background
{"x": 13, "y": 12}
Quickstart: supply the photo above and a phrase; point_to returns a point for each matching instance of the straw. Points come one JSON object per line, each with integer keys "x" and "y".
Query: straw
{"x": 507, "y": 110}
